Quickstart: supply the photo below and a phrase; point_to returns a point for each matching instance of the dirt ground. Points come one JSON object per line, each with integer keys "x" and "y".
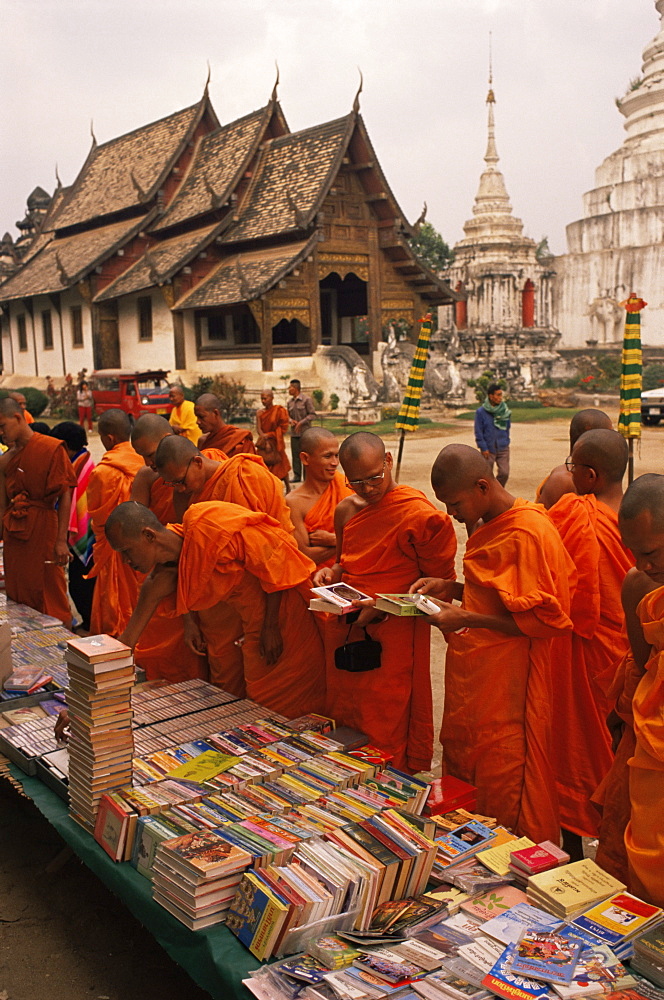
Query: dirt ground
{"x": 62, "y": 934}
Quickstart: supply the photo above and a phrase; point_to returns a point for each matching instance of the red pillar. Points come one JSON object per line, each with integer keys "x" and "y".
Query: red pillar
{"x": 460, "y": 309}
{"x": 528, "y": 305}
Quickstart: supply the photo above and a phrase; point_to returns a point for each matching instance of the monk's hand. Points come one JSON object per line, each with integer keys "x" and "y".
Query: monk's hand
{"x": 369, "y": 614}
{"x": 434, "y": 586}
{"x": 62, "y": 726}
{"x": 320, "y": 537}
{"x": 324, "y": 577}
{"x": 449, "y": 619}
{"x": 271, "y": 642}
{"x": 193, "y": 636}
{"x": 61, "y": 555}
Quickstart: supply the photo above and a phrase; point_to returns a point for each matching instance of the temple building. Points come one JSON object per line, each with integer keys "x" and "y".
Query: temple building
{"x": 618, "y": 245}
{"x": 503, "y": 318}
{"x": 201, "y": 248}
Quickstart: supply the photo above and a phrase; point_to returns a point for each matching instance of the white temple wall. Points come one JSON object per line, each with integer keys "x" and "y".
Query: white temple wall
{"x": 159, "y": 352}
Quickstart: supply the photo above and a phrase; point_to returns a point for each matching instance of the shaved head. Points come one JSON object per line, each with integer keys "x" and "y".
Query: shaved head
{"x": 588, "y": 420}
{"x": 151, "y": 427}
{"x": 605, "y": 451}
{"x": 129, "y": 519}
{"x": 116, "y": 424}
{"x": 10, "y": 408}
{"x": 314, "y": 437}
{"x": 460, "y": 466}
{"x": 175, "y": 450}
{"x": 359, "y": 446}
{"x": 646, "y": 494}
{"x": 208, "y": 401}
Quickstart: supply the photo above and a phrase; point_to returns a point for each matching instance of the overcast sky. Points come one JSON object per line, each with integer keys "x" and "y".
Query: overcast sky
{"x": 558, "y": 65}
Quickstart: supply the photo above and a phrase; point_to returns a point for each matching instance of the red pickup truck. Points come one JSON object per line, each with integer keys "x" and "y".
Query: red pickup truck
{"x": 134, "y": 392}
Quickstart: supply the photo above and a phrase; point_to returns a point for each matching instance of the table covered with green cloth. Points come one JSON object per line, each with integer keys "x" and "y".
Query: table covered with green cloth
{"x": 213, "y": 957}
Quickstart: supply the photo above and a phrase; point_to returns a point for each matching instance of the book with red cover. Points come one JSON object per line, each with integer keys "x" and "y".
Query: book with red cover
{"x": 449, "y": 793}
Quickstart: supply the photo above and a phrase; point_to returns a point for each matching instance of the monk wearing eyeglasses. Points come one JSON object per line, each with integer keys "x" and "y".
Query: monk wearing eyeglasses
{"x": 390, "y": 535}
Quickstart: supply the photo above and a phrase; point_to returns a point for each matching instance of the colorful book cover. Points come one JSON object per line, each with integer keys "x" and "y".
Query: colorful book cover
{"x": 206, "y": 765}
{"x": 494, "y": 902}
{"x": 598, "y": 972}
{"x": 505, "y": 983}
{"x": 619, "y": 917}
{"x": 497, "y": 857}
{"x": 545, "y": 955}
{"x": 207, "y": 853}
{"x": 507, "y": 926}
{"x": 382, "y": 964}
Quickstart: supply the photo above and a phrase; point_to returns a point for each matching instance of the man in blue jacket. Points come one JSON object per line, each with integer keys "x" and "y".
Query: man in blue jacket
{"x": 492, "y": 431}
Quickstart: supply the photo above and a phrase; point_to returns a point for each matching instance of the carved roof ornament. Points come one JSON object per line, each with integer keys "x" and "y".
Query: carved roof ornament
{"x": 206, "y": 89}
{"x": 215, "y": 199}
{"x": 155, "y": 277}
{"x": 300, "y": 217}
{"x": 92, "y": 133}
{"x": 58, "y": 182}
{"x": 273, "y": 97}
{"x": 64, "y": 277}
{"x": 356, "y": 102}
{"x": 137, "y": 187}
{"x": 422, "y": 218}
{"x": 245, "y": 290}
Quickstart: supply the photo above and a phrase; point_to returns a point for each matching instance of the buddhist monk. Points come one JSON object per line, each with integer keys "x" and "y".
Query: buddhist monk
{"x": 559, "y": 481}
{"x": 223, "y": 553}
{"x": 19, "y": 398}
{"x": 272, "y": 423}
{"x": 182, "y": 418}
{"x": 312, "y": 504}
{"x": 216, "y": 432}
{"x": 35, "y": 476}
{"x": 641, "y": 520}
{"x": 116, "y": 589}
{"x": 163, "y": 651}
{"x": 391, "y": 536}
{"x": 586, "y": 662}
{"x": 515, "y": 603}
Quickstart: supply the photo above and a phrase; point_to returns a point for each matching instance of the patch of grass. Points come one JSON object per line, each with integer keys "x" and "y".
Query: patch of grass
{"x": 522, "y": 415}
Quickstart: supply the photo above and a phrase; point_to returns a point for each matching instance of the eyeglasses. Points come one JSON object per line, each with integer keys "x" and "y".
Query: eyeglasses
{"x": 571, "y": 466}
{"x": 183, "y": 481}
{"x": 359, "y": 484}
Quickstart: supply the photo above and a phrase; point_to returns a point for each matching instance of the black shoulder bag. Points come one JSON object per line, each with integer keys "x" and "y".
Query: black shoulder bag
{"x": 360, "y": 656}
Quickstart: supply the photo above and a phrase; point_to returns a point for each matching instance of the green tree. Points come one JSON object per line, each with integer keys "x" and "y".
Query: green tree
{"x": 431, "y": 248}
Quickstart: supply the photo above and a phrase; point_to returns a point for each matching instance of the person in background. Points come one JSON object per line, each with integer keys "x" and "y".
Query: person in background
{"x": 182, "y": 418}
{"x": 272, "y": 424}
{"x": 85, "y": 403}
{"x": 19, "y": 398}
{"x": 216, "y": 433}
{"x": 492, "y": 431}
{"x": 81, "y": 537}
{"x": 301, "y": 412}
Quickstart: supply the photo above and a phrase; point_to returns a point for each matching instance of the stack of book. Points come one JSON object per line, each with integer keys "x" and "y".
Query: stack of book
{"x": 101, "y": 675}
{"x": 569, "y": 890}
{"x": 533, "y": 860}
{"x": 195, "y": 877}
{"x": 618, "y": 920}
{"x": 648, "y": 958}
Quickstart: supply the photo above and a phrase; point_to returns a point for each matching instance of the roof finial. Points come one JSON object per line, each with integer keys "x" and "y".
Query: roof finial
{"x": 422, "y": 218}
{"x": 209, "y": 77}
{"x": 490, "y": 98}
{"x": 273, "y": 97}
{"x": 57, "y": 178}
{"x": 92, "y": 133}
{"x": 356, "y": 102}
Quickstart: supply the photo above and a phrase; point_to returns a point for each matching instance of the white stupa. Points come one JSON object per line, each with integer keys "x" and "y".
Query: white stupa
{"x": 618, "y": 245}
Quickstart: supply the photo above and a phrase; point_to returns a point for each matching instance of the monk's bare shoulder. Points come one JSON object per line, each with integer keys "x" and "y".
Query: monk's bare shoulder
{"x": 142, "y": 485}
{"x": 300, "y": 500}
{"x": 557, "y": 485}
{"x": 347, "y": 508}
{"x": 635, "y": 587}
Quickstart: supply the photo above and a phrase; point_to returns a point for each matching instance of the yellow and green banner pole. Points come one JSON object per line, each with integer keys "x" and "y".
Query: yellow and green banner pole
{"x": 409, "y": 414}
{"x": 629, "y": 421}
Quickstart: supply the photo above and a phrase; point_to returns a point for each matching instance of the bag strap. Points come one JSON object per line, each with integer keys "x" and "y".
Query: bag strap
{"x": 364, "y": 629}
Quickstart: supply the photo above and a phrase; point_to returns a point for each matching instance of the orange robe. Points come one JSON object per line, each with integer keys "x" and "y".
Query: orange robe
{"x": 496, "y": 729}
{"x": 231, "y": 440}
{"x": 644, "y": 837}
{"x": 245, "y": 480}
{"x": 386, "y": 547}
{"x": 320, "y": 517}
{"x": 586, "y": 661}
{"x": 162, "y": 651}
{"x": 237, "y": 556}
{"x": 117, "y": 585}
{"x": 35, "y": 476}
{"x": 273, "y": 424}
{"x": 612, "y": 796}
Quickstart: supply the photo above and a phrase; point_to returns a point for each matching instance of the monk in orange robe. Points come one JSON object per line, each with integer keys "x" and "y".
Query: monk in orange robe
{"x": 641, "y": 521}
{"x": 390, "y": 538}
{"x": 272, "y": 423}
{"x": 559, "y": 481}
{"x": 223, "y": 553}
{"x": 117, "y": 584}
{"x": 497, "y": 718}
{"x": 162, "y": 651}
{"x": 216, "y": 432}
{"x": 586, "y": 663}
{"x": 23, "y": 403}
{"x": 312, "y": 504}
{"x": 35, "y": 475}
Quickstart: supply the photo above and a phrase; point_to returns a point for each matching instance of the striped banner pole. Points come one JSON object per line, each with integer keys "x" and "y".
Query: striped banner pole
{"x": 409, "y": 414}
{"x": 629, "y": 421}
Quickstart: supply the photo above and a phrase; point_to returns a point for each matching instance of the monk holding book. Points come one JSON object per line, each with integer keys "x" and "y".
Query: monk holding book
{"x": 313, "y": 503}
{"x": 515, "y": 605}
{"x": 35, "y": 476}
{"x": 641, "y": 521}
{"x": 390, "y": 535}
{"x": 116, "y": 590}
{"x": 587, "y": 522}
{"x": 216, "y": 433}
{"x": 223, "y": 554}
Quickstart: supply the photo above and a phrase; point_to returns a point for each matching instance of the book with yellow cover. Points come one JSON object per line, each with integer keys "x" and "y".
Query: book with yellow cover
{"x": 572, "y": 888}
{"x": 497, "y": 857}
{"x": 207, "y": 765}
